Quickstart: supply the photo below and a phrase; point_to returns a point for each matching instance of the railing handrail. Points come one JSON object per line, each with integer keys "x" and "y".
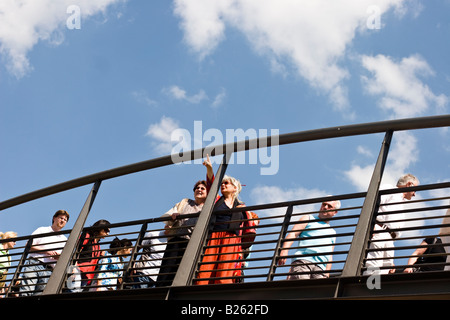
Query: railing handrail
{"x": 334, "y": 272}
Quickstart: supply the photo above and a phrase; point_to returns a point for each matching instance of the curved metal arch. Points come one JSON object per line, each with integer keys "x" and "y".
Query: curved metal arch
{"x": 288, "y": 138}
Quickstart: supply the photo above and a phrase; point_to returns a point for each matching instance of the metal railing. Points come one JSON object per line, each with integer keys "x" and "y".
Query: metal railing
{"x": 258, "y": 263}
{"x": 354, "y": 226}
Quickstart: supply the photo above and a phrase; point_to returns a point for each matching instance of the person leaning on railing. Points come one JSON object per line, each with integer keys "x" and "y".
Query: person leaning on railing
{"x": 111, "y": 265}
{"x": 5, "y": 258}
{"x": 430, "y": 256}
{"x": 380, "y": 258}
{"x": 145, "y": 270}
{"x": 44, "y": 253}
{"x": 444, "y": 234}
{"x": 313, "y": 257}
{"x": 178, "y": 231}
{"x": 90, "y": 252}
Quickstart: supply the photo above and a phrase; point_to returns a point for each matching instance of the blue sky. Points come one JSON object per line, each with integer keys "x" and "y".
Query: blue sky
{"x": 79, "y": 99}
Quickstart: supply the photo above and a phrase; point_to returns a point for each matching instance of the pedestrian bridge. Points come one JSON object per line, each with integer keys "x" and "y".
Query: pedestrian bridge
{"x": 262, "y": 278}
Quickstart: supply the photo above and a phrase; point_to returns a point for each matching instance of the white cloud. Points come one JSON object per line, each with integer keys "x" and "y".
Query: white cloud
{"x": 161, "y": 134}
{"x": 141, "y": 96}
{"x": 181, "y": 94}
{"x": 402, "y": 92}
{"x": 359, "y": 176}
{"x": 308, "y": 37}
{"x": 25, "y": 23}
{"x": 220, "y": 97}
{"x": 403, "y": 153}
{"x": 364, "y": 151}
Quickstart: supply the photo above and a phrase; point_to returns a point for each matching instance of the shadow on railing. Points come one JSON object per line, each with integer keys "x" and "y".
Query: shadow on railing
{"x": 129, "y": 257}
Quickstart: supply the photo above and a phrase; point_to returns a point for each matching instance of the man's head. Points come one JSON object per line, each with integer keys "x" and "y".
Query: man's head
{"x": 60, "y": 218}
{"x": 405, "y": 181}
{"x": 328, "y": 209}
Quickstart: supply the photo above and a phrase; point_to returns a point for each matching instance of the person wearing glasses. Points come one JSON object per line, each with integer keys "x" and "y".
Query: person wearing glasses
{"x": 222, "y": 261}
{"x": 89, "y": 251}
{"x": 313, "y": 256}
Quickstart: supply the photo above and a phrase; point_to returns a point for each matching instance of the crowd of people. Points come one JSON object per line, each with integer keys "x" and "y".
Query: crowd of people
{"x": 223, "y": 261}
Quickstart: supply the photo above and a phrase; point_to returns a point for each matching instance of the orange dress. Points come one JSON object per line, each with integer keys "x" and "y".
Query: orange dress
{"x": 223, "y": 256}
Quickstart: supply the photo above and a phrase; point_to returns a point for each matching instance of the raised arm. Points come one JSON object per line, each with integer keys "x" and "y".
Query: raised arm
{"x": 292, "y": 235}
{"x": 209, "y": 172}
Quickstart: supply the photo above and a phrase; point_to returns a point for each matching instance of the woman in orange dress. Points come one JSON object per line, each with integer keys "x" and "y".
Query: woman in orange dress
{"x": 221, "y": 262}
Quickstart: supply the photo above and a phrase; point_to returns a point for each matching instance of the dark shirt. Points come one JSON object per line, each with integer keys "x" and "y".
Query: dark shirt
{"x": 439, "y": 259}
{"x": 222, "y": 220}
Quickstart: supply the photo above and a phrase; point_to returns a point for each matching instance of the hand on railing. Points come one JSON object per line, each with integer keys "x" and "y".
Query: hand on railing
{"x": 282, "y": 261}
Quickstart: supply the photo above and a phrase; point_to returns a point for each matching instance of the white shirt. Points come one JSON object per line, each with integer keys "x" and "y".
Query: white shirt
{"x": 444, "y": 234}
{"x": 386, "y": 207}
{"x": 51, "y": 242}
{"x": 152, "y": 255}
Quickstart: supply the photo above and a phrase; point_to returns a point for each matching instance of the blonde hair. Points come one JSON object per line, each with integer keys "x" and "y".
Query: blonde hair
{"x": 235, "y": 182}
{"x": 8, "y": 235}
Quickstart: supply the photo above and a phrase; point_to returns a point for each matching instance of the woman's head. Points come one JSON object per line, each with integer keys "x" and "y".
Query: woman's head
{"x": 230, "y": 186}
{"x": 200, "y": 191}
{"x": 120, "y": 246}
{"x": 201, "y": 183}
{"x": 8, "y": 235}
{"x": 101, "y": 228}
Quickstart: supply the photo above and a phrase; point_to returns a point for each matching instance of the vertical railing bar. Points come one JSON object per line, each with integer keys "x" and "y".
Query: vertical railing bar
{"x": 20, "y": 265}
{"x": 363, "y": 228}
{"x": 276, "y": 253}
{"x": 134, "y": 254}
{"x": 192, "y": 254}
{"x": 56, "y": 280}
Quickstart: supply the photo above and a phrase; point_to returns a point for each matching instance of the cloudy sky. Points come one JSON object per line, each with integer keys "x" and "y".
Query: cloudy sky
{"x": 90, "y": 85}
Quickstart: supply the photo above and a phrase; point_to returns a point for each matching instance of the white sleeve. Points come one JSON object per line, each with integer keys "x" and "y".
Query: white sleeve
{"x": 390, "y": 203}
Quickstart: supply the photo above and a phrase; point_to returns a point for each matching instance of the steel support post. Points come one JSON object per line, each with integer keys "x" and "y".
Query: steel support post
{"x": 192, "y": 254}
{"x": 279, "y": 244}
{"x": 134, "y": 254}
{"x": 358, "y": 247}
{"x": 56, "y": 280}
{"x": 20, "y": 265}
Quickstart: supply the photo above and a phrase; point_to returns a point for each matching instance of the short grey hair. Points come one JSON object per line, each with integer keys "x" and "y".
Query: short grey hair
{"x": 407, "y": 178}
{"x": 337, "y": 203}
